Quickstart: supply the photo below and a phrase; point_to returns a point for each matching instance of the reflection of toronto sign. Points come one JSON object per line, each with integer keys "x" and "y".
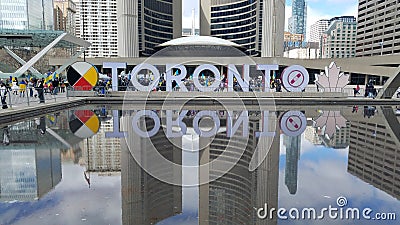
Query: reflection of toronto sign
{"x": 294, "y": 78}
{"x": 292, "y": 123}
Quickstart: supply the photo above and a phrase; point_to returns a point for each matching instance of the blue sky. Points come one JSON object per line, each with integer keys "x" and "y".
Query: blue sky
{"x": 317, "y": 9}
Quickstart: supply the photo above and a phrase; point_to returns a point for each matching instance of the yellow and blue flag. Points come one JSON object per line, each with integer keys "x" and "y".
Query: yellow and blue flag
{"x": 50, "y": 77}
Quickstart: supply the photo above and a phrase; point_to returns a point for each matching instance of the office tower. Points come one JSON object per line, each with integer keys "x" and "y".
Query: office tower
{"x": 97, "y": 24}
{"x": 340, "y": 140}
{"x": 317, "y": 29}
{"x": 28, "y": 174}
{"x": 374, "y": 151}
{"x": 378, "y": 29}
{"x": 102, "y": 154}
{"x": 343, "y": 19}
{"x": 339, "y": 41}
{"x": 312, "y": 135}
{"x": 257, "y": 25}
{"x": 26, "y": 15}
{"x": 145, "y": 198}
{"x": 293, "y": 145}
{"x": 64, "y": 16}
{"x": 142, "y": 25}
{"x": 232, "y": 198}
{"x": 320, "y": 27}
{"x": 298, "y": 20}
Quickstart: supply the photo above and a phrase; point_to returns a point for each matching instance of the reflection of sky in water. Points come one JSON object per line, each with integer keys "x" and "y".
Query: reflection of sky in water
{"x": 322, "y": 178}
{"x": 72, "y": 202}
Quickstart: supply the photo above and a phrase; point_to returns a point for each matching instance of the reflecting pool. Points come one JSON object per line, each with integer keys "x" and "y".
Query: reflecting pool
{"x": 286, "y": 165}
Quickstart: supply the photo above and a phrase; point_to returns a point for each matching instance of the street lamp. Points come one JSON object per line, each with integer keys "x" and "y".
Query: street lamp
{"x": 381, "y": 43}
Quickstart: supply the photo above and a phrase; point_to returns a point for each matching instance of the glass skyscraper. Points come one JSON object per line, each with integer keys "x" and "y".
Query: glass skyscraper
{"x": 257, "y": 25}
{"x": 26, "y": 15}
{"x": 298, "y": 21}
{"x": 143, "y": 25}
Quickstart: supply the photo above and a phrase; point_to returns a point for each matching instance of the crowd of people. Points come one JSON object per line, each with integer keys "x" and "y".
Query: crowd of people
{"x": 33, "y": 88}
{"x": 255, "y": 84}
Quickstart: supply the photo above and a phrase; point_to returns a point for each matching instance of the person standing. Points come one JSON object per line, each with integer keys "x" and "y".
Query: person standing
{"x": 3, "y": 95}
{"x": 356, "y": 90}
{"x": 6, "y": 136}
{"x": 22, "y": 88}
{"x": 30, "y": 88}
{"x": 39, "y": 88}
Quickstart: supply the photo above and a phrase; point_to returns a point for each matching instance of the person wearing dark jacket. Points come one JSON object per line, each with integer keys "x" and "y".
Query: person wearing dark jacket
{"x": 40, "y": 90}
{"x": 3, "y": 95}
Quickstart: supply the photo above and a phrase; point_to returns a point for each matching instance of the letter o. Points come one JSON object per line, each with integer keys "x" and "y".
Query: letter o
{"x": 210, "y": 133}
{"x": 295, "y": 78}
{"x": 150, "y": 114}
{"x": 145, "y": 66}
{"x": 213, "y": 69}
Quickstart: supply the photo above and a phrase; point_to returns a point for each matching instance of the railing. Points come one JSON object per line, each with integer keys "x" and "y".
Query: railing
{"x": 100, "y": 90}
{"x": 105, "y": 91}
{"x": 30, "y": 96}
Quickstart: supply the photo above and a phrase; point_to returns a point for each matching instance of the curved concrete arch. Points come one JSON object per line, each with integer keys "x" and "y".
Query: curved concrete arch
{"x": 391, "y": 86}
{"x": 392, "y": 123}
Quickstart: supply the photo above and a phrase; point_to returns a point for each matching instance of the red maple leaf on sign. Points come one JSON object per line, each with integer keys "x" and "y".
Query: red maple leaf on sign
{"x": 332, "y": 80}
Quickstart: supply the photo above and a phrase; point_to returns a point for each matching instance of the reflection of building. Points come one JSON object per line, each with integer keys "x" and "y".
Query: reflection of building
{"x": 142, "y": 25}
{"x": 374, "y": 153}
{"x": 313, "y": 135}
{"x": 378, "y": 28}
{"x": 145, "y": 199}
{"x": 26, "y": 15}
{"x": 31, "y": 165}
{"x": 253, "y": 24}
{"x": 231, "y": 199}
{"x": 341, "y": 138}
{"x": 64, "y": 15}
{"x": 101, "y": 154}
{"x": 28, "y": 174}
{"x": 293, "y": 145}
{"x": 339, "y": 40}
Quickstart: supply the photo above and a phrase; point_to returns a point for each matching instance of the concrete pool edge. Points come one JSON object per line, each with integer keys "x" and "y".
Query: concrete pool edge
{"x": 14, "y": 115}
